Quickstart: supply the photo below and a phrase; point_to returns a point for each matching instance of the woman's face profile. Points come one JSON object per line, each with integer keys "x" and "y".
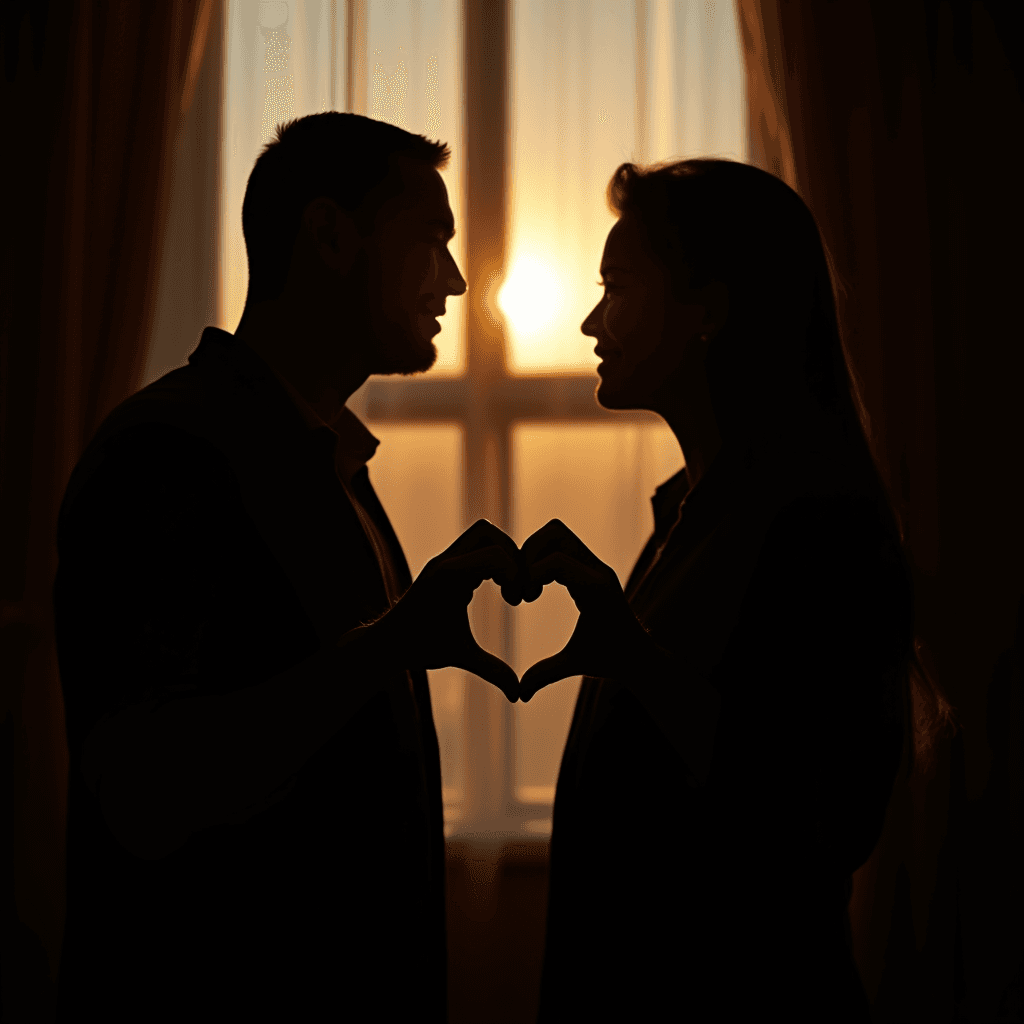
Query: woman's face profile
{"x": 641, "y": 329}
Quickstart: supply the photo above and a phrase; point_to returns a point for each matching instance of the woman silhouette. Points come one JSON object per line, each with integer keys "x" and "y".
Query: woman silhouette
{"x": 736, "y": 741}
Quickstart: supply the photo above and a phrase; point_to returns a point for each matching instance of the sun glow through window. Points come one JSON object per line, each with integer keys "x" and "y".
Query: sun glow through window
{"x": 531, "y": 296}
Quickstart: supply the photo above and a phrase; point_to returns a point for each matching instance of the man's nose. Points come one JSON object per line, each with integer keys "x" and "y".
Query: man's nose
{"x": 456, "y": 282}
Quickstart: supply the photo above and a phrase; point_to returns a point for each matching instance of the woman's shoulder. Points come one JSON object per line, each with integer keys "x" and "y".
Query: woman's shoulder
{"x": 833, "y": 501}
{"x": 832, "y": 561}
{"x": 831, "y": 521}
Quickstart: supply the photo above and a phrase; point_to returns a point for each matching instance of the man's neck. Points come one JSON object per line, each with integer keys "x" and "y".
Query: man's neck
{"x": 304, "y": 356}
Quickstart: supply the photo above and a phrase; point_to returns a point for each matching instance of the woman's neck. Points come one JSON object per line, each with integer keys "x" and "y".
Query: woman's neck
{"x": 695, "y": 428}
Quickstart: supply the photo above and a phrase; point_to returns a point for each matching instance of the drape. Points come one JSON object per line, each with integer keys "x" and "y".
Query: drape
{"x": 901, "y": 125}
{"x": 93, "y": 94}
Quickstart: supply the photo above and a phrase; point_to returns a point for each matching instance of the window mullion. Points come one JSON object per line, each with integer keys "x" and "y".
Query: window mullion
{"x": 488, "y": 719}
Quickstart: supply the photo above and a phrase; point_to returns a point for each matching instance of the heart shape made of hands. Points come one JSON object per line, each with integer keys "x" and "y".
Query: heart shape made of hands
{"x": 432, "y": 620}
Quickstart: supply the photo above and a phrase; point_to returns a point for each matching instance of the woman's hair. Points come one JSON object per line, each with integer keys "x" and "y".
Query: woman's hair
{"x": 345, "y": 157}
{"x": 719, "y": 220}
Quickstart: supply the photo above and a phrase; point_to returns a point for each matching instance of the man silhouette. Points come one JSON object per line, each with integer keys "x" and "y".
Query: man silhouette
{"x": 254, "y": 826}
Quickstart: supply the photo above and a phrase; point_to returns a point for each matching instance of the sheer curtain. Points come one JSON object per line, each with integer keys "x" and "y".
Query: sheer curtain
{"x": 596, "y": 83}
{"x": 396, "y": 61}
{"x": 591, "y": 83}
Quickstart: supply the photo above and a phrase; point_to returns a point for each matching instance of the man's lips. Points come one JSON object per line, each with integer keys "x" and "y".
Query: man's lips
{"x": 431, "y": 317}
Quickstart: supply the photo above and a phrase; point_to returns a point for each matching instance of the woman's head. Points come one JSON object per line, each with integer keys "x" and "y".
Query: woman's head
{"x": 716, "y": 270}
{"x": 648, "y": 326}
{"x": 717, "y": 267}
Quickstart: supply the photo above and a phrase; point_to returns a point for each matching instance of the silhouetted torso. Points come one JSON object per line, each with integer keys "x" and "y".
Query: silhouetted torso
{"x": 728, "y": 901}
{"x": 206, "y": 544}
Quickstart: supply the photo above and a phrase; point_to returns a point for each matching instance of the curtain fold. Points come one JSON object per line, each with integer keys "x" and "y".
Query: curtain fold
{"x": 901, "y": 126}
{"x": 93, "y": 94}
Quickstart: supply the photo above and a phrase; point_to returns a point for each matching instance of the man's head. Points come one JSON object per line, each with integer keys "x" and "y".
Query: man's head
{"x": 349, "y": 218}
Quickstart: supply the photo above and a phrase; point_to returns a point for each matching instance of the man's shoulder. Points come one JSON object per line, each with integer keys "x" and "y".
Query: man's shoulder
{"x": 172, "y": 417}
{"x": 182, "y": 397}
{"x": 187, "y": 396}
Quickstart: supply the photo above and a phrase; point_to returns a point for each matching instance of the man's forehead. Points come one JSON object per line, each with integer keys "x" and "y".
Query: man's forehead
{"x": 424, "y": 187}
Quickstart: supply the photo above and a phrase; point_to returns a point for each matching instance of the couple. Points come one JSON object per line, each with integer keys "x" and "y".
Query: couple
{"x": 254, "y": 815}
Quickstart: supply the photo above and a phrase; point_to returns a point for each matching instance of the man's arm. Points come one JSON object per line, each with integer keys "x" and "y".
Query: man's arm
{"x": 162, "y": 772}
{"x": 165, "y": 768}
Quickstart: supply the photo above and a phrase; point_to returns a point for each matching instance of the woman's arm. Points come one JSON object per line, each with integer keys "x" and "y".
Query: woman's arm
{"x": 609, "y": 641}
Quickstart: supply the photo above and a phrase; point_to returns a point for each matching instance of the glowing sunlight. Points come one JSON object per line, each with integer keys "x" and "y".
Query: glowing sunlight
{"x": 531, "y": 296}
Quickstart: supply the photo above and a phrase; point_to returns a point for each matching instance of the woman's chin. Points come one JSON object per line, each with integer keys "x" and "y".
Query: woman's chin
{"x": 609, "y": 394}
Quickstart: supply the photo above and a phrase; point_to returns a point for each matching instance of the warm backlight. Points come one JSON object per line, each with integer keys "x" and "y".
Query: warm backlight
{"x": 531, "y": 297}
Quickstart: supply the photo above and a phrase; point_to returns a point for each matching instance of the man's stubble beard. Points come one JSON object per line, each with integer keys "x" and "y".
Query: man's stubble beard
{"x": 397, "y": 353}
{"x": 395, "y": 347}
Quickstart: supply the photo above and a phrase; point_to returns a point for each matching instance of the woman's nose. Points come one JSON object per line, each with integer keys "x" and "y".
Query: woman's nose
{"x": 589, "y": 326}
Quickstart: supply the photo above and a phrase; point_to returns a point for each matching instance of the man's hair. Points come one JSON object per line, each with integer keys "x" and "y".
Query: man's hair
{"x": 343, "y": 157}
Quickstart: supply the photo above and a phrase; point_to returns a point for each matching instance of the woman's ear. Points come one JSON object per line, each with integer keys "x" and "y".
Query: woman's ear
{"x": 715, "y": 299}
{"x": 332, "y": 234}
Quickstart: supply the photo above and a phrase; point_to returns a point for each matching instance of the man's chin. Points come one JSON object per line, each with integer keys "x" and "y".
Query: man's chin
{"x": 412, "y": 357}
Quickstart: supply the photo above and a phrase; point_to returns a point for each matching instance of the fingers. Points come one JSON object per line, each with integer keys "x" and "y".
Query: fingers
{"x": 485, "y": 534}
{"x": 553, "y": 538}
{"x": 470, "y": 570}
{"x": 564, "y": 569}
{"x": 579, "y": 579}
{"x": 494, "y": 670}
{"x": 544, "y": 673}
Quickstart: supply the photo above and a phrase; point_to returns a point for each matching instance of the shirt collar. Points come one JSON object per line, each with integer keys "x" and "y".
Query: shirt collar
{"x": 666, "y": 500}
{"x": 355, "y": 445}
{"x": 734, "y": 469}
{"x": 352, "y": 443}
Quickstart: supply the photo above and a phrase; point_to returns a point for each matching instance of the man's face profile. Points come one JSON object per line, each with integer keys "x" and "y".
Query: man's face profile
{"x": 411, "y": 273}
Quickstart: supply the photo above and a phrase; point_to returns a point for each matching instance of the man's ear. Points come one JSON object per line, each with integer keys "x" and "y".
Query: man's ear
{"x": 332, "y": 234}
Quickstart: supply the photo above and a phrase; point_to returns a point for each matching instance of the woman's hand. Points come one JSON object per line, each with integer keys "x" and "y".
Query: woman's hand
{"x": 608, "y": 640}
{"x": 429, "y": 626}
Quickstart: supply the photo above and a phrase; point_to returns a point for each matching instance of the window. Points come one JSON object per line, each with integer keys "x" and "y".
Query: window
{"x": 509, "y": 430}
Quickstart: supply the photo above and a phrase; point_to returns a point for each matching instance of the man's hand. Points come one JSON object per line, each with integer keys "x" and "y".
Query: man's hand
{"x": 429, "y": 627}
{"x": 608, "y": 640}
